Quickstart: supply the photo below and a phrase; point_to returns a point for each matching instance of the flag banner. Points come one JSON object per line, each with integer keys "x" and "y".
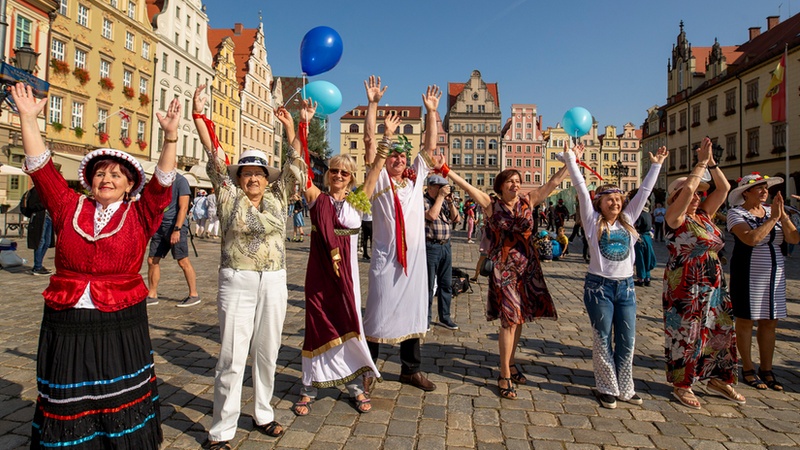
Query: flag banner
{"x": 773, "y": 109}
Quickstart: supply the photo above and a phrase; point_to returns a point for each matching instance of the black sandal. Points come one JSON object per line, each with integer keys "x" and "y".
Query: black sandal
{"x": 269, "y": 429}
{"x": 300, "y": 404}
{"x": 222, "y": 445}
{"x": 769, "y": 380}
{"x": 518, "y": 377}
{"x": 361, "y": 404}
{"x": 754, "y": 381}
{"x": 508, "y": 392}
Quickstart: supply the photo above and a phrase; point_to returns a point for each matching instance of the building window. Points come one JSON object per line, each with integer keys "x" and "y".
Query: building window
{"x": 468, "y": 128}
{"x": 188, "y": 74}
{"x": 80, "y": 59}
{"x": 164, "y": 64}
{"x": 752, "y": 94}
{"x": 481, "y": 108}
{"x": 537, "y": 163}
{"x": 492, "y": 160}
{"x": 353, "y": 145}
{"x": 143, "y": 85}
{"x": 107, "y": 28}
{"x": 456, "y": 143}
{"x": 684, "y": 152}
{"x": 480, "y": 159}
{"x": 22, "y": 33}
{"x": 132, "y": 10}
{"x": 127, "y": 78}
{"x": 752, "y": 142}
{"x": 468, "y": 144}
{"x": 481, "y": 144}
{"x": 140, "y": 130}
{"x": 408, "y": 129}
{"x": 146, "y": 51}
{"x": 57, "y": 50}
{"x": 712, "y": 108}
{"x": 105, "y": 68}
{"x": 493, "y": 144}
{"x": 527, "y": 177}
{"x": 527, "y": 162}
{"x": 469, "y": 108}
{"x": 129, "y": 40}
{"x": 354, "y": 128}
{"x": 456, "y": 159}
{"x": 102, "y": 117}
{"x": 83, "y": 16}
{"x": 730, "y": 147}
{"x": 682, "y": 120}
{"x": 779, "y": 138}
{"x": 519, "y": 162}
{"x": 177, "y": 73}
{"x": 468, "y": 178}
{"x": 730, "y": 102}
{"x": 55, "y": 108}
{"x": 508, "y": 162}
{"x": 696, "y": 115}
{"x": 62, "y": 7}
{"x": 162, "y": 100}
{"x": 537, "y": 178}
{"x": 123, "y": 132}
{"x": 468, "y": 159}
{"x": 480, "y": 180}
{"x": 77, "y": 115}
{"x": 672, "y": 123}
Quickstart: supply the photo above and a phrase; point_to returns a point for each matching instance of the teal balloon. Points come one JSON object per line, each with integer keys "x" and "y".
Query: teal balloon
{"x": 577, "y": 121}
{"x": 326, "y": 94}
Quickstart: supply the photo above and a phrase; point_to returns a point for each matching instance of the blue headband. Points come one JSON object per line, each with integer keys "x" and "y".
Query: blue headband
{"x": 611, "y": 191}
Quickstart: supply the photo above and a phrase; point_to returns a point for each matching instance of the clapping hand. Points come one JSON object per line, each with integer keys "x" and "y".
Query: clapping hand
{"x": 777, "y": 212}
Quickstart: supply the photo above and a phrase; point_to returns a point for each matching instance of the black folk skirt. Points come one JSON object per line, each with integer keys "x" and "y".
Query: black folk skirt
{"x": 96, "y": 380}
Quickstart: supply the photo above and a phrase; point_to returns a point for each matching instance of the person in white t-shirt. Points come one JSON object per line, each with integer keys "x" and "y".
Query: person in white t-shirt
{"x": 609, "y": 294}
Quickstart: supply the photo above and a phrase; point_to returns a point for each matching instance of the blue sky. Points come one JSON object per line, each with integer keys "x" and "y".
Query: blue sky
{"x": 607, "y": 56}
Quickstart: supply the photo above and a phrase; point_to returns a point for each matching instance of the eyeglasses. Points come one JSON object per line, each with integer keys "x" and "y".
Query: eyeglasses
{"x": 254, "y": 175}
{"x": 341, "y": 172}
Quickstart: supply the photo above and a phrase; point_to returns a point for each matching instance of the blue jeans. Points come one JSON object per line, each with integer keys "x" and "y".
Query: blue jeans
{"x": 611, "y": 305}
{"x": 44, "y": 244}
{"x": 440, "y": 272}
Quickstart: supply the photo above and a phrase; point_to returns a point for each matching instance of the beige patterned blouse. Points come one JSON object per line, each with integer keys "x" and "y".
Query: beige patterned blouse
{"x": 253, "y": 238}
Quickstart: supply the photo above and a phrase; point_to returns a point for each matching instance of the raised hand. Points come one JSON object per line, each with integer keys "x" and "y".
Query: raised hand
{"x": 431, "y": 98}
{"x": 776, "y": 211}
{"x": 285, "y": 118}
{"x": 704, "y": 153}
{"x": 578, "y": 149}
{"x": 308, "y": 110}
{"x": 660, "y": 156}
{"x": 391, "y": 122}
{"x": 170, "y": 121}
{"x": 27, "y": 105}
{"x": 199, "y": 100}
{"x": 374, "y": 90}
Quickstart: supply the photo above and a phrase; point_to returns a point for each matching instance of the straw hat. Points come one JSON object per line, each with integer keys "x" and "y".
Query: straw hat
{"x": 254, "y": 158}
{"x": 735, "y": 198}
{"x": 679, "y": 182}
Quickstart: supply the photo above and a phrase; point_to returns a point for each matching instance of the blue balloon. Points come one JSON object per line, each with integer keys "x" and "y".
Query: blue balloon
{"x": 320, "y": 50}
{"x": 577, "y": 121}
{"x": 326, "y": 94}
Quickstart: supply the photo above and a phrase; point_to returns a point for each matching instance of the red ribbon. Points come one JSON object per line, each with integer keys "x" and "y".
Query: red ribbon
{"x": 399, "y": 230}
{"x": 213, "y": 135}
{"x": 302, "y": 130}
{"x": 590, "y": 169}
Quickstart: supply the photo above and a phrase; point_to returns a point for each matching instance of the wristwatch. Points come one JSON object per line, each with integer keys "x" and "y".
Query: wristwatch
{"x": 176, "y": 229}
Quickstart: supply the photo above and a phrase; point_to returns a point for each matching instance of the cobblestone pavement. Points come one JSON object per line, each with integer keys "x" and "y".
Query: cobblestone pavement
{"x": 555, "y": 409}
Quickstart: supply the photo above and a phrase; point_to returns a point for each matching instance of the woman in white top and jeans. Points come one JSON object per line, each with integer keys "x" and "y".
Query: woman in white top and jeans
{"x": 609, "y": 293}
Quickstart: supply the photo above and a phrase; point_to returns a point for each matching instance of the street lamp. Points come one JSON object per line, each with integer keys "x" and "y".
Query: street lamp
{"x": 25, "y": 58}
{"x": 619, "y": 170}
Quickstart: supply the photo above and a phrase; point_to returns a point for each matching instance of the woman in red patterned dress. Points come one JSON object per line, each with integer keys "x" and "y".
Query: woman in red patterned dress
{"x": 700, "y": 342}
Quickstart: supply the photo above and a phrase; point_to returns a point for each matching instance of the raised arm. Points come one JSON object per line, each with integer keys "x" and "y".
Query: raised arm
{"x": 306, "y": 115}
{"x": 717, "y": 198}
{"x": 391, "y": 122}
{"x": 29, "y": 108}
{"x": 538, "y": 195}
{"x": 676, "y": 210}
{"x": 480, "y": 197}
{"x": 431, "y": 101}
{"x": 571, "y": 158}
{"x": 198, "y": 105}
{"x": 636, "y": 205}
{"x": 374, "y": 95}
{"x": 169, "y": 123}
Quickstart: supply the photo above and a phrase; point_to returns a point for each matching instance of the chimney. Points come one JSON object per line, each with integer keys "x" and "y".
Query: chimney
{"x": 772, "y": 21}
{"x": 237, "y": 29}
{"x": 754, "y": 32}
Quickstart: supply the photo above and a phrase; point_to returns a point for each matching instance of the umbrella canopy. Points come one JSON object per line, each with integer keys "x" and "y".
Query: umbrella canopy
{"x": 5, "y": 169}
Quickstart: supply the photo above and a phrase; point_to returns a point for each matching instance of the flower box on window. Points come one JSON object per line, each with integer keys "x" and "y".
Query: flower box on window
{"x": 79, "y": 132}
{"x": 59, "y": 67}
{"x": 128, "y": 91}
{"x": 142, "y": 145}
{"x": 778, "y": 150}
{"x": 711, "y": 118}
{"x": 103, "y": 137}
{"x": 126, "y": 141}
{"x": 751, "y": 154}
{"x": 144, "y": 99}
{"x": 106, "y": 83}
{"x": 82, "y": 75}
{"x": 58, "y": 126}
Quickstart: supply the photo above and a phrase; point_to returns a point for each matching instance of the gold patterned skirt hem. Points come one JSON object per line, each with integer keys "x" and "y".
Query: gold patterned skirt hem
{"x": 345, "y": 380}
{"x": 393, "y": 341}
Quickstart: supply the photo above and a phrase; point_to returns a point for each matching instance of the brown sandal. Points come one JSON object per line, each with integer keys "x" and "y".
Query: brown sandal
{"x": 686, "y": 397}
{"x": 725, "y": 390}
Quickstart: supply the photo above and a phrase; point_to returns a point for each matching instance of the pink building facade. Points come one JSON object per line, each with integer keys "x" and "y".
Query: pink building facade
{"x": 523, "y": 145}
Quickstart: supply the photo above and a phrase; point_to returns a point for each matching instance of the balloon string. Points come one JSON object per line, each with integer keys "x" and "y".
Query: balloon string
{"x": 293, "y": 96}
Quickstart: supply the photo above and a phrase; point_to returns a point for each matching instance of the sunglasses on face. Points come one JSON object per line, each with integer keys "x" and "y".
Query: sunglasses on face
{"x": 341, "y": 172}
{"x": 254, "y": 175}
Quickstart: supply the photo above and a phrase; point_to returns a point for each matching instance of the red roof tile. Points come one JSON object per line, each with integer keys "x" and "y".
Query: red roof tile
{"x": 243, "y": 42}
{"x": 454, "y": 89}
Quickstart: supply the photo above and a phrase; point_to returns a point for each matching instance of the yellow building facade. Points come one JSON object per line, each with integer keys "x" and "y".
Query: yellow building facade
{"x": 101, "y": 61}
{"x": 225, "y": 101}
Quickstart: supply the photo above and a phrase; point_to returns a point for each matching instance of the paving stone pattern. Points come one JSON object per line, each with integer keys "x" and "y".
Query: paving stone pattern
{"x": 555, "y": 410}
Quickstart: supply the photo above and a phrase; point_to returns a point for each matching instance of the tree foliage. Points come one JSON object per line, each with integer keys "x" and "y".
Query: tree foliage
{"x": 317, "y": 143}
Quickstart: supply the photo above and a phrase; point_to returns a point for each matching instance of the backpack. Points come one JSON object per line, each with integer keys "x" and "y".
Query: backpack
{"x": 460, "y": 282}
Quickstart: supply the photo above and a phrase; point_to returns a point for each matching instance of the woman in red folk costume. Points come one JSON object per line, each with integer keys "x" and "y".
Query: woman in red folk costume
{"x": 95, "y": 376}
{"x": 334, "y": 350}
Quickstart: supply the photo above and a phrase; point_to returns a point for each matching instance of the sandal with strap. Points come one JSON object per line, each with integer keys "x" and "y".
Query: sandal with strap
{"x": 270, "y": 429}
{"x": 686, "y": 397}
{"x": 508, "y": 392}
{"x": 302, "y": 404}
{"x": 222, "y": 445}
{"x": 518, "y": 376}
{"x": 362, "y": 406}
{"x": 754, "y": 381}
{"x": 769, "y": 380}
{"x": 725, "y": 390}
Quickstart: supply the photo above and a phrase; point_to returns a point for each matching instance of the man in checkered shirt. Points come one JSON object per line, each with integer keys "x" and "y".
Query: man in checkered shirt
{"x": 440, "y": 213}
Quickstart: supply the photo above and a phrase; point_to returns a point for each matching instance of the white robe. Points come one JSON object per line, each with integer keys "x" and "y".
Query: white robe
{"x": 397, "y": 304}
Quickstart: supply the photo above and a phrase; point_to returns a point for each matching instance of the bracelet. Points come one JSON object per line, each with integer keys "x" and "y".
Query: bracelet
{"x": 382, "y": 150}
{"x": 712, "y": 167}
{"x": 198, "y": 116}
{"x": 170, "y": 141}
{"x": 444, "y": 170}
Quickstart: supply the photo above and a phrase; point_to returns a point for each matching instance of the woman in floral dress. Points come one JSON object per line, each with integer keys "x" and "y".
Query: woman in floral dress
{"x": 700, "y": 342}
